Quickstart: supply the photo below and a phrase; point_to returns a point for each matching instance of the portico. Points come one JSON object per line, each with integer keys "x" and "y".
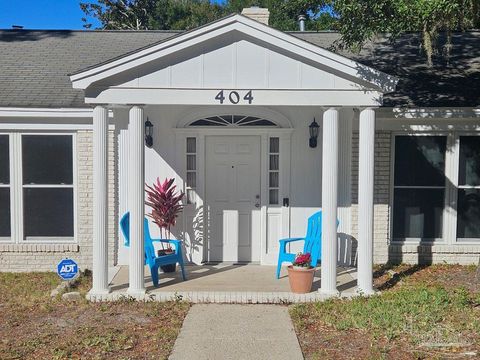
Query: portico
{"x": 267, "y": 75}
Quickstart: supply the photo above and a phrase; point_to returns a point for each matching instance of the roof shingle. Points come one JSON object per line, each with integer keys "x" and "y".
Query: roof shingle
{"x": 35, "y": 64}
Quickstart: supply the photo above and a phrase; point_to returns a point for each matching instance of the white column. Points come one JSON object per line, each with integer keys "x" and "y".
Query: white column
{"x": 329, "y": 202}
{"x": 136, "y": 200}
{"x": 100, "y": 202}
{"x": 365, "y": 200}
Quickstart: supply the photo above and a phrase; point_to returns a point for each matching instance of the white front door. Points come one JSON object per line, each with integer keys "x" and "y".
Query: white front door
{"x": 233, "y": 198}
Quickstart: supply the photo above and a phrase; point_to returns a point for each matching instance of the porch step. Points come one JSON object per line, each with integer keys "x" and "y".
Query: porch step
{"x": 219, "y": 297}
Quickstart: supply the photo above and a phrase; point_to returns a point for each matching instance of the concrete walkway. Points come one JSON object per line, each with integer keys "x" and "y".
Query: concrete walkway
{"x": 214, "y": 331}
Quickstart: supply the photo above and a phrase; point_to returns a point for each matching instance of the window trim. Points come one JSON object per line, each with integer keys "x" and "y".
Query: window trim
{"x": 17, "y": 186}
{"x": 452, "y": 162}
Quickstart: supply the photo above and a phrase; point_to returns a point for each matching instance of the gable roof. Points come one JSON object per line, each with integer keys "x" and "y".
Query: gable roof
{"x": 370, "y": 78}
{"x": 35, "y": 64}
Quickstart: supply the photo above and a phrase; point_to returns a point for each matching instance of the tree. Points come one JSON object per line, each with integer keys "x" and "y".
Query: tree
{"x": 188, "y": 14}
{"x": 150, "y": 14}
{"x": 119, "y": 14}
{"x": 361, "y": 20}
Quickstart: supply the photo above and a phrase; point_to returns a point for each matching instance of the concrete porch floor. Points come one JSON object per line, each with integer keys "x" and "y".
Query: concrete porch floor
{"x": 227, "y": 283}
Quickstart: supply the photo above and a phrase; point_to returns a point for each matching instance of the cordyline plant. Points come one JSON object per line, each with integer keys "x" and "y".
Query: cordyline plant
{"x": 164, "y": 200}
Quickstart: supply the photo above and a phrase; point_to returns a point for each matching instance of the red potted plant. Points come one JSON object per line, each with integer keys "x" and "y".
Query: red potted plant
{"x": 164, "y": 200}
{"x": 300, "y": 274}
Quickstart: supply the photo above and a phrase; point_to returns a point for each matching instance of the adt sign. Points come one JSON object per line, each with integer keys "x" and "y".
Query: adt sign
{"x": 67, "y": 269}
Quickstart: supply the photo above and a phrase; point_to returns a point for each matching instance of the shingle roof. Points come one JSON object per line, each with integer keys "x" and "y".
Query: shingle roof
{"x": 34, "y": 65}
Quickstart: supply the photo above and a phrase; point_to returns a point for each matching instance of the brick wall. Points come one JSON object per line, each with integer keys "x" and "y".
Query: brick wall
{"x": 383, "y": 250}
{"x": 44, "y": 257}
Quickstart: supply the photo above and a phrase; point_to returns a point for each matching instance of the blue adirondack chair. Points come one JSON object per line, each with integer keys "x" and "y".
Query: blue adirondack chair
{"x": 153, "y": 261}
{"x": 312, "y": 243}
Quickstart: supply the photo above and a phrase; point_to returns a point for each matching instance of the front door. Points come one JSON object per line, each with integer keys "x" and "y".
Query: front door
{"x": 233, "y": 198}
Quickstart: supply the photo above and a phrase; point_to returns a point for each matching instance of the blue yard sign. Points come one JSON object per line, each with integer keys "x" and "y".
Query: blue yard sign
{"x": 67, "y": 269}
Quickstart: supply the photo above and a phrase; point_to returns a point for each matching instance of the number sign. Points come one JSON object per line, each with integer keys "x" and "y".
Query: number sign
{"x": 234, "y": 97}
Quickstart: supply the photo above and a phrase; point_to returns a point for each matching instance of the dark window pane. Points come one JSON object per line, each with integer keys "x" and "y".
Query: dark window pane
{"x": 261, "y": 123}
{"x": 274, "y": 162}
{"x": 273, "y": 197}
{"x": 468, "y": 213}
{"x": 192, "y": 179}
{"x": 48, "y": 212}
{"x": 417, "y": 213}
{"x": 191, "y": 162}
{"x": 273, "y": 179}
{"x": 47, "y": 159}
{"x": 203, "y": 122}
{"x": 4, "y": 160}
{"x": 191, "y": 145}
{"x": 5, "y": 212}
{"x": 469, "y": 166}
{"x": 420, "y": 160}
{"x": 274, "y": 145}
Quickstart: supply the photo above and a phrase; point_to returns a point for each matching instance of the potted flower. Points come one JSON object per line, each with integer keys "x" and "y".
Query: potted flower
{"x": 300, "y": 274}
{"x": 164, "y": 201}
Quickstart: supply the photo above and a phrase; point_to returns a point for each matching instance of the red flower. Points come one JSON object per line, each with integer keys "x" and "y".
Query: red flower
{"x": 302, "y": 260}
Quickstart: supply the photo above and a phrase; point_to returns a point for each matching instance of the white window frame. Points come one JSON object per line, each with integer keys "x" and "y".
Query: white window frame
{"x": 17, "y": 186}
{"x": 452, "y": 159}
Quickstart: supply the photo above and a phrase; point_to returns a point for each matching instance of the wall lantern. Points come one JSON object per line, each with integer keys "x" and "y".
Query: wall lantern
{"x": 313, "y": 128}
{"x": 148, "y": 133}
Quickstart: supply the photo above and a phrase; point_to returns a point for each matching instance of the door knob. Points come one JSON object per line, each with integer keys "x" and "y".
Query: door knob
{"x": 257, "y": 205}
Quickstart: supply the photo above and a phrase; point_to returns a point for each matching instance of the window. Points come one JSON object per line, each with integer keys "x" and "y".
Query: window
{"x": 47, "y": 168}
{"x": 233, "y": 120}
{"x": 5, "y": 211}
{"x": 191, "y": 169}
{"x": 419, "y": 187}
{"x": 274, "y": 171}
{"x": 43, "y": 187}
{"x": 468, "y": 190}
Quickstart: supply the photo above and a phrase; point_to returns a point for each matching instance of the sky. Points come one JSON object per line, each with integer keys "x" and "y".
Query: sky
{"x": 41, "y": 14}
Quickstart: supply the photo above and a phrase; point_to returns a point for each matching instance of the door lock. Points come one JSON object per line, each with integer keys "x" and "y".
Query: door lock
{"x": 257, "y": 202}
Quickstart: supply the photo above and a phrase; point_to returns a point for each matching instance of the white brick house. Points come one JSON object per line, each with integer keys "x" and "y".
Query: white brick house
{"x": 397, "y": 160}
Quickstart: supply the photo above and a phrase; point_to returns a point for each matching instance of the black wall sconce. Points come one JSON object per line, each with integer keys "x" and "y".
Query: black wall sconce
{"x": 148, "y": 133}
{"x": 313, "y": 128}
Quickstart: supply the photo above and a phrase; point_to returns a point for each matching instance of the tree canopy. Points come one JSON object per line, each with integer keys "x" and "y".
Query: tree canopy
{"x": 357, "y": 20}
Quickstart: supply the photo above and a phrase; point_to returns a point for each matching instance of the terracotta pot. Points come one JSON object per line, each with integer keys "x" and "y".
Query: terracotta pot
{"x": 301, "y": 279}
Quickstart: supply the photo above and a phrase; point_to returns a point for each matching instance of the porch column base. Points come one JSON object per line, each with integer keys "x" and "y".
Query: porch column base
{"x": 95, "y": 293}
{"x": 329, "y": 293}
{"x": 136, "y": 292}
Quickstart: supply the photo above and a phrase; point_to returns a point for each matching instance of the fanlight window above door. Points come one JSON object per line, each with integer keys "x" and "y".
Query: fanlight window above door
{"x": 233, "y": 120}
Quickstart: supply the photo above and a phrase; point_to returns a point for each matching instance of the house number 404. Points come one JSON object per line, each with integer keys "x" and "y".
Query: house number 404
{"x": 234, "y": 97}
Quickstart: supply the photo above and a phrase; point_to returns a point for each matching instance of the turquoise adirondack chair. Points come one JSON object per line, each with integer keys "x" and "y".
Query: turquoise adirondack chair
{"x": 312, "y": 243}
{"x": 153, "y": 261}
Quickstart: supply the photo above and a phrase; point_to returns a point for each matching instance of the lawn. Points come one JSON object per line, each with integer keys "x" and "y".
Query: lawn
{"x": 34, "y": 326}
{"x": 423, "y": 313}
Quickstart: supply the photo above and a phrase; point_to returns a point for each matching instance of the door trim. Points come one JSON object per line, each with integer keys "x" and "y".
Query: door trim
{"x": 265, "y": 133}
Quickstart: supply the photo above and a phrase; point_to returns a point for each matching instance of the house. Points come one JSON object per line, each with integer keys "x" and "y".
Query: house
{"x": 232, "y": 104}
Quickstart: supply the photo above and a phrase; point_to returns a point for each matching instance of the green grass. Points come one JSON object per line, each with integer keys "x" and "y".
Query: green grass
{"x": 418, "y": 312}
{"x": 430, "y": 310}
